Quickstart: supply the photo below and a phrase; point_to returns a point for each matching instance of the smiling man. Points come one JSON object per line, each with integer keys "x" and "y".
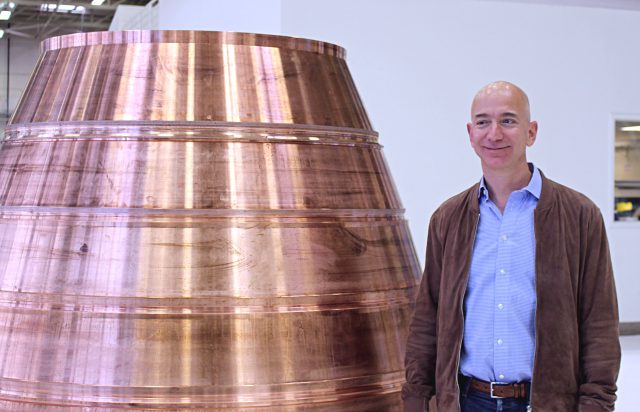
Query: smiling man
{"x": 517, "y": 307}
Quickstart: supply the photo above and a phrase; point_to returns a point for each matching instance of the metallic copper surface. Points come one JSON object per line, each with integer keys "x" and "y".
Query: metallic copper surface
{"x": 198, "y": 221}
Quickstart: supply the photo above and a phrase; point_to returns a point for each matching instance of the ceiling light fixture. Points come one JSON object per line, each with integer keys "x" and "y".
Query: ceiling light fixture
{"x": 1, "y": 33}
{"x": 630, "y": 129}
{"x": 97, "y": 2}
{"x": 63, "y": 8}
{"x": 5, "y": 15}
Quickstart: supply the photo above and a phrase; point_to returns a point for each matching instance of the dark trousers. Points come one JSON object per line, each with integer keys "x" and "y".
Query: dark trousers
{"x": 474, "y": 401}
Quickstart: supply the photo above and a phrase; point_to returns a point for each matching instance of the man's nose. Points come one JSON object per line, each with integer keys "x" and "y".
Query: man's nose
{"x": 495, "y": 132}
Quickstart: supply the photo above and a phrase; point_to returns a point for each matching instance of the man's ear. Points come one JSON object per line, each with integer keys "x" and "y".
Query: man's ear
{"x": 533, "y": 133}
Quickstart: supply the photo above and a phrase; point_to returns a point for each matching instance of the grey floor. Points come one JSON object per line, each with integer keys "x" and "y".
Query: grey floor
{"x": 628, "y": 381}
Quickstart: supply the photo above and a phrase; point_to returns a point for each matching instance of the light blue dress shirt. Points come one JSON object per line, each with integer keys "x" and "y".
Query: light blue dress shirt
{"x": 500, "y": 301}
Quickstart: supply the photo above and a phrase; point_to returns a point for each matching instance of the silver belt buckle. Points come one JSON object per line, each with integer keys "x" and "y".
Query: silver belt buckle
{"x": 491, "y": 394}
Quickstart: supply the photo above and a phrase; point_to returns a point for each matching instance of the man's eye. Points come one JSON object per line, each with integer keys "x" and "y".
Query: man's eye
{"x": 482, "y": 122}
{"x": 508, "y": 121}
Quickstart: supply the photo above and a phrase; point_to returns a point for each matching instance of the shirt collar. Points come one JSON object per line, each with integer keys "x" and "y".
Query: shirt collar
{"x": 534, "y": 187}
{"x": 535, "y": 184}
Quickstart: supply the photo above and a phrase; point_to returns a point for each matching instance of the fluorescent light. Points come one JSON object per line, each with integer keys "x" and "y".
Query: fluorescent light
{"x": 97, "y": 2}
{"x": 630, "y": 129}
{"x": 1, "y": 33}
{"x": 5, "y": 15}
{"x": 12, "y": 5}
{"x": 48, "y": 7}
{"x": 63, "y": 8}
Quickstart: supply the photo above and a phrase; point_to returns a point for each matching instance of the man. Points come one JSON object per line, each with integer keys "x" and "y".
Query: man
{"x": 517, "y": 307}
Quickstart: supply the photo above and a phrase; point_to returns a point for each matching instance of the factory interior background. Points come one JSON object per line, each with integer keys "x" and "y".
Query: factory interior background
{"x": 417, "y": 65}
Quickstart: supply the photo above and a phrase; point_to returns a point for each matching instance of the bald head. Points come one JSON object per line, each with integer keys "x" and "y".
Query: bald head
{"x": 501, "y": 129}
{"x": 503, "y": 89}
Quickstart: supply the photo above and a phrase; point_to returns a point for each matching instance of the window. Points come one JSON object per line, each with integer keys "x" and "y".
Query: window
{"x": 627, "y": 170}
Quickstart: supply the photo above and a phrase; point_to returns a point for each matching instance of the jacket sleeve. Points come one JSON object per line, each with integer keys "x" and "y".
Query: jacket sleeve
{"x": 420, "y": 359}
{"x": 598, "y": 317}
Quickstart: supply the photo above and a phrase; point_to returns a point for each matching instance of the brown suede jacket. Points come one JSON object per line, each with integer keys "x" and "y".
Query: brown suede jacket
{"x": 577, "y": 354}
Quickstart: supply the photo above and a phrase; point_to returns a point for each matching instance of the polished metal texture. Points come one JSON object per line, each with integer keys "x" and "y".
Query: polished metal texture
{"x": 199, "y": 221}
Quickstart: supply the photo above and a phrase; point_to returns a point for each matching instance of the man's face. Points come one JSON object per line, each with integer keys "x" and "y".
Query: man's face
{"x": 500, "y": 130}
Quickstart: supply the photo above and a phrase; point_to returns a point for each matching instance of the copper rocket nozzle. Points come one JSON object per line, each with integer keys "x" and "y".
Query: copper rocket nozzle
{"x": 198, "y": 220}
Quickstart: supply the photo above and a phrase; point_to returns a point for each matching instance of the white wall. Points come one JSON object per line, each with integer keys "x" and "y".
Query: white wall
{"x": 24, "y": 54}
{"x": 418, "y": 63}
{"x": 129, "y": 17}
{"x": 256, "y": 16}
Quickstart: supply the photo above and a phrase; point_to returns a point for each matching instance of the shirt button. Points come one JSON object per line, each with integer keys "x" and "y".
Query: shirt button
{"x": 501, "y": 376}
{"x": 499, "y": 341}
{"x": 503, "y": 237}
{"x": 500, "y": 306}
{"x": 503, "y": 272}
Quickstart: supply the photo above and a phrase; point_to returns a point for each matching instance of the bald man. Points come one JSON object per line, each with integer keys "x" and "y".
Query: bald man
{"x": 517, "y": 306}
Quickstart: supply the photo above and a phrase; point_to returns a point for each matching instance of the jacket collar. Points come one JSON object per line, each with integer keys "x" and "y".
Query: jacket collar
{"x": 547, "y": 194}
